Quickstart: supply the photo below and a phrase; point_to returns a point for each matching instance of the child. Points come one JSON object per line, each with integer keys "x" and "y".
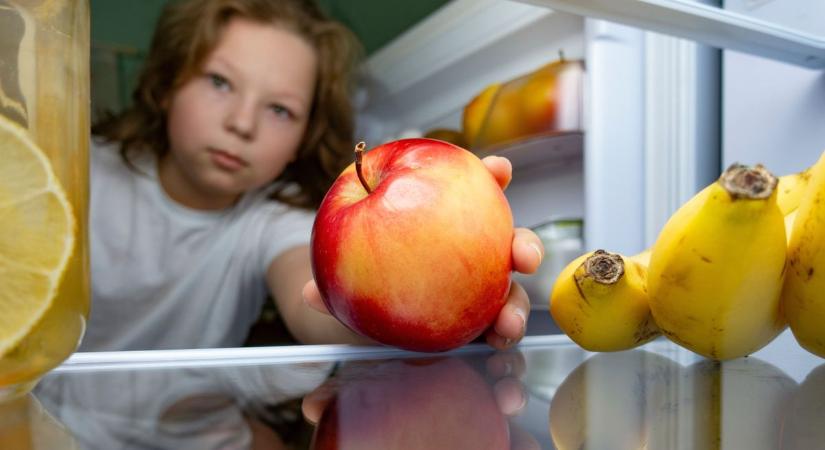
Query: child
{"x": 202, "y": 192}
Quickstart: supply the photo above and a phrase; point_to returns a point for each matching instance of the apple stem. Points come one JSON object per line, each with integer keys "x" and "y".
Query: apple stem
{"x": 359, "y": 153}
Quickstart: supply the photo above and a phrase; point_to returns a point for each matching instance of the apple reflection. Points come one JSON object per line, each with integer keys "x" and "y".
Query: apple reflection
{"x": 638, "y": 399}
{"x": 412, "y": 404}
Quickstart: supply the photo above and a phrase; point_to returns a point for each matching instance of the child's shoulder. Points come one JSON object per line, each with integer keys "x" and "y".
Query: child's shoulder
{"x": 105, "y": 156}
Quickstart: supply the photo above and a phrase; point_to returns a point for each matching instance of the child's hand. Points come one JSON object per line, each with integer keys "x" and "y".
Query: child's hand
{"x": 528, "y": 251}
{"x": 508, "y": 329}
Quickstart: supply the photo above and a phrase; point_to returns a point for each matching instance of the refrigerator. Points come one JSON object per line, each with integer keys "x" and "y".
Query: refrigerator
{"x": 674, "y": 91}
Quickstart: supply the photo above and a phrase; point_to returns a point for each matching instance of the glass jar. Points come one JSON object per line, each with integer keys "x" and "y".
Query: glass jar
{"x": 44, "y": 182}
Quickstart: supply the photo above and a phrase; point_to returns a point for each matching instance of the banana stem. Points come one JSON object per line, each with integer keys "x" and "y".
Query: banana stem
{"x": 604, "y": 267}
{"x": 750, "y": 183}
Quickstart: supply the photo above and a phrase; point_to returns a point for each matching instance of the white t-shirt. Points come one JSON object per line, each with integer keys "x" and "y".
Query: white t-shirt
{"x": 165, "y": 276}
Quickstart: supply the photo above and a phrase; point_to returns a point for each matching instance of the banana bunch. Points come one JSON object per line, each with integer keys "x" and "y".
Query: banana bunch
{"x": 711, "y": 282}
{"x": 600, "y": 301}
{"x": 803, "y": 295}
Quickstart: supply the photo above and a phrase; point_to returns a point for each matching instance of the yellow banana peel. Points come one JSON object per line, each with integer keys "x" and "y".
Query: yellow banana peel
{"x": 716, "y": 269}
{"x": 600, "y": 301}
{"x": 789, "y": 190}
{"x": 803, "y": 296}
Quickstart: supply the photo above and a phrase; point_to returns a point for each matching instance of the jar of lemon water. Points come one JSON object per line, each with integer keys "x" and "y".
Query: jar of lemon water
{"x": 44, "y": 135}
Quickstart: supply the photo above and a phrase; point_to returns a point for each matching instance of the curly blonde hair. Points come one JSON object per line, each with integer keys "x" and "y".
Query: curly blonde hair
{"x": 189, "y": 30}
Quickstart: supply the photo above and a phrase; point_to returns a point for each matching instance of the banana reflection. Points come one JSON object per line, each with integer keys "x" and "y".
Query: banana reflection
{"x": 638, "y": 399}
{"x": 412, "y": 404}
{"x": 804, "y": 424}
{"x": 610, "y": 399}
{"x": 26, "y": 425}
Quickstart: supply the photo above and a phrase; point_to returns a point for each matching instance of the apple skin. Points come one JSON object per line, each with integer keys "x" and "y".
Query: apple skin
{"x": 423, "y": 261}
{"x": 412, "y": 405}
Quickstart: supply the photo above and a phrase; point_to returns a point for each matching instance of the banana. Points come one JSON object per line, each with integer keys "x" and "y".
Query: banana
{"x": 803, "y": 296}
{"x": 716, "y": 269}
{"x": 790, "y": 190}
{"x": 789, "y": 220}
{"x": 600, "y": 301}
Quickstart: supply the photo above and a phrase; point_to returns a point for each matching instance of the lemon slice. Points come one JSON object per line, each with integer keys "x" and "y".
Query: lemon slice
{"x": 37, "y": 233}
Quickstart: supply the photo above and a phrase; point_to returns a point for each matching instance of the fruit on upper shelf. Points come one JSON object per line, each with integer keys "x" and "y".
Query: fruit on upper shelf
{"x": 545, "y": 100}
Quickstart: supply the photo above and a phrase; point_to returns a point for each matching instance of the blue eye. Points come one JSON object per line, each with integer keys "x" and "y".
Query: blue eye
{"x": 218, "y": 81}
{"x": 281, "y": 111}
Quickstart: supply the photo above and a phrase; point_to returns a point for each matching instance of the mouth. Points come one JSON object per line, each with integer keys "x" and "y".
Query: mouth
{"x": 226, "y": 160}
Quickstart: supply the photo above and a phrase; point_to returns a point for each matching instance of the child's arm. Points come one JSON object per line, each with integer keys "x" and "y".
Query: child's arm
{"x": 286, "y": 277}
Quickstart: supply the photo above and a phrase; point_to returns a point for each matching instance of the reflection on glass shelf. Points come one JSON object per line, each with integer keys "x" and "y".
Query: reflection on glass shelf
{"x": 545, "y": 393}
{"x": 788, "y": 39}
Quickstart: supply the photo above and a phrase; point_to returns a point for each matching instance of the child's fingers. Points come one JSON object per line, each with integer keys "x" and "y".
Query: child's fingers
{"x": 506, "y": 364}
{"x": 312, "y": 297}
{"x": 314, "y": 403}
{"x": 501, "y": 169}
{"x": 527, "y": 251}
{"x": 512, "y": 320}
{"x": 510, "y": 396}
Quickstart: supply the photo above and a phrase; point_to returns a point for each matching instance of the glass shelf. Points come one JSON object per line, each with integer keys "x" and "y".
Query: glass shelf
{"x": 549, "y": 150}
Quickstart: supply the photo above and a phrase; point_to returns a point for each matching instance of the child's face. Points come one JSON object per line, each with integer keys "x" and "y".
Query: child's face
{"x": 235, "y": 125}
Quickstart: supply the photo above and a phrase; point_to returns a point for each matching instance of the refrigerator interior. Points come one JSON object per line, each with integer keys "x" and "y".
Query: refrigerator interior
{"x": 649, "y": 139}
{"x": 423, "y": 80}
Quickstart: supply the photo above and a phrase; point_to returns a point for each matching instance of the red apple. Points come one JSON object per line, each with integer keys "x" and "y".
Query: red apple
{"x": 421, "y": 258}
{"x": 412, "y": 405}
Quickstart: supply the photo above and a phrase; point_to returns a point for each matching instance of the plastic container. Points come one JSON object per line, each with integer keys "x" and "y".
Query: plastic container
{"x": 44, "y": 136}
{"x": 562, "y": 240}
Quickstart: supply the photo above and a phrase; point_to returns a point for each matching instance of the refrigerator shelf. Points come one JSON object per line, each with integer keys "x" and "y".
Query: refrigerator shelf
{"x": 546, "y": 151}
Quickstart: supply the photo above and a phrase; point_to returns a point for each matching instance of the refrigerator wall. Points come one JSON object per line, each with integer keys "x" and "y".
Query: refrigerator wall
{"x": 774, "y": 112}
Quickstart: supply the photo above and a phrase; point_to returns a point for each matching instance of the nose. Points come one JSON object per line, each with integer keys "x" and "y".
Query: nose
{"x": 241, "y": 118}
